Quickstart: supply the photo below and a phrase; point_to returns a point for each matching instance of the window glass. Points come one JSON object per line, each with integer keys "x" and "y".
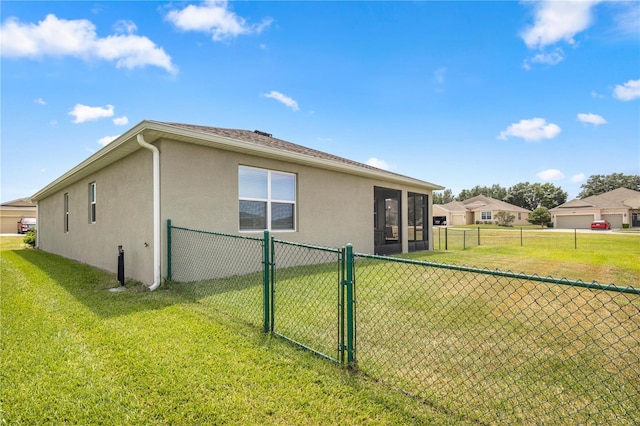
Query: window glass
{"x": 253, "y": 183}
{"x": 92, "y": 204}
{"x": 282, "y": 216}
{"x": 253, "y": 215}
{"x": 66, "y": 212}
{"x": 283, "y": 186}
{"x": 266, "y": 199}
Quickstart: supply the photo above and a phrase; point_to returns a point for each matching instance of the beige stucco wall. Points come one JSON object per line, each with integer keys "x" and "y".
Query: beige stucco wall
{"x": 199, "y": 190}
{"x": 477, "y": 217}
{"x": 124, "y": 206}
{"x": 9, "y": 217}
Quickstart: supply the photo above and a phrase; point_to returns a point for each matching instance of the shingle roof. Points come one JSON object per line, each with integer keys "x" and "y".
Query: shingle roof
{"x": 487, "y": 203}
{"x": 621, "y": 198}
{"x": 271, "y": 142}
{"x": 260, "y": 144}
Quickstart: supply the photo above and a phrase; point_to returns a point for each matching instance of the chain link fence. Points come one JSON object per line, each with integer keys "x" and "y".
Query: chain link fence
{"x": 219, "y": 271}
{"x": 499, "y": 347}
{"x": 453, "y": 238}
{"x": 490, "y": 347}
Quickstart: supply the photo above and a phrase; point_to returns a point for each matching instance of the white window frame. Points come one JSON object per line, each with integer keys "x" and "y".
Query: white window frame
{"x": 486, "y": 216}
{"x": 66, "y": 213}
{"x": 269, "y": 200}
{"x": 93, "y": 196}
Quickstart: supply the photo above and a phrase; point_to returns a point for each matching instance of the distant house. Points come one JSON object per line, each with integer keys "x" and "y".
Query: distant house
{"x": 12, "y": 211}
{"x": 620, "y": 206}
{"x": 478, "y": 209}
{"x": 225, "y": 180}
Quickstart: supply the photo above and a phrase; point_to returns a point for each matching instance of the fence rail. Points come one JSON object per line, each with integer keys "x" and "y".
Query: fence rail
{"x": 489, "y": 346}
{"x": 456, "y": 238}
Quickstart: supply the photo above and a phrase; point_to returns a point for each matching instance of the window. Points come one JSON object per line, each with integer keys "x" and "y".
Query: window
{"x": 486, "y": 216}
{"x": 66, "y": 212}
{"x": 92, "y": 202}
{"x": 267, "y": 199}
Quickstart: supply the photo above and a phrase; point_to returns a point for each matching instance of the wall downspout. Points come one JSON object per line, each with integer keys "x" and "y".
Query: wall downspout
{"x": 156, "y": 210}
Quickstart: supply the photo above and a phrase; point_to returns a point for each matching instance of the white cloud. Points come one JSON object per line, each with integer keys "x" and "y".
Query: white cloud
{"x": 39, "y": 101}
{"x": 77, "y": 38}
{"x": 120, "y": 121}
{"x": 124, "y": 26}
{"x": 590, "y": 118}
{"x": 531, "y": 130}
{"x": 107, "y": 140}
{"x": 550, "y": 174}
{"x": 580, "y": 177}
{"x": 82, "y": 113}
{"x": 556, "y": 21}
{"x": 628, "y": 21}
{"x": 286, "y": 100}
{"x": 627, "y": 91}
{"x": 596, "y": 95}
{"x": 214, "y": 17}
{"x": 552, "y": 58}
{"x": 375, "y": 162}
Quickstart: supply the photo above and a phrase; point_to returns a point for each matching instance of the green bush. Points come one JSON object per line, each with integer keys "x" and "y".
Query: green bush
{"x": 30, "y": 238}
{"x": 625, "y": 225}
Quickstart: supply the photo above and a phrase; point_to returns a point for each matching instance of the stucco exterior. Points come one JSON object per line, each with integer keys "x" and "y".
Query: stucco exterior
{"x": 12, "y": 211}
{"x": 479, "y": 209}
{"x": 199, "y": 189}
{"x": 621, "y": 207}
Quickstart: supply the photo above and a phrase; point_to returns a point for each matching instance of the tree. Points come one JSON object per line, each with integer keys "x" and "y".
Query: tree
{"x": 443, "y": 197}
{"x": 599, "y": 184}
{"x": 504, "y": 218}
{"x": 540, "y": 216}
{"x": 494, "y": 191}
{"x": 531, "y": 196}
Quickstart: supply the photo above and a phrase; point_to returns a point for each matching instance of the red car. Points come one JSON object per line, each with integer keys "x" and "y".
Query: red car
{"x": 600, "y": 224}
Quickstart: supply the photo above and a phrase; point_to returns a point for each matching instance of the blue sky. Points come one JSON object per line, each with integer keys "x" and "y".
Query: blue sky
{"x": 455, "y": 93}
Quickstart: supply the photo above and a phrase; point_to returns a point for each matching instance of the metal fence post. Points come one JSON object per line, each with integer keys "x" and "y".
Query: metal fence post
{"x": 266, "y": 293}
{"x": 169, "y": 249}
{"x": 478, "y": 235}
{"x": 350, "y": 305}
{"x": 446, "y": 238}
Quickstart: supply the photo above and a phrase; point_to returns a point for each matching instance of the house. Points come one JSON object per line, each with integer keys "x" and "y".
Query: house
{"x": 478, "y": 209}
{"x": 224, "y": 180}
{"x": 12, "y": 211}
{"x": 620, "y": 207}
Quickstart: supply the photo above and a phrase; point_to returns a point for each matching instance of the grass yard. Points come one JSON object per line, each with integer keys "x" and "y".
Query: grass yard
{"x": 74, "y": 353}
{"x": 469, "y": 350}
{"x": 605, "y": 258}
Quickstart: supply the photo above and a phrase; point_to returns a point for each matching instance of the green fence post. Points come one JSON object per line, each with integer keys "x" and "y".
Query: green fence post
{"x": 521, "y": 236}
{"x": 266, "y": 280}
{"x": 341, "y": 302}
{"x": 169, "y": 249}
{"x": 350, "y": 306}
{"x": 446, "y": 238}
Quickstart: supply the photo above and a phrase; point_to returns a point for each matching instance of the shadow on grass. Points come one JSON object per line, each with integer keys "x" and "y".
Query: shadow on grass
{"x": 90, "y": 286}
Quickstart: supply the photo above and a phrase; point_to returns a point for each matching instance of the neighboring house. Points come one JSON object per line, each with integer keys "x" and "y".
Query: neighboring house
{"x": 12, "y": 211}
{"x": 225, "y": 180}
{"x": 620, "y": 206}
{"x": 478, "y": 209}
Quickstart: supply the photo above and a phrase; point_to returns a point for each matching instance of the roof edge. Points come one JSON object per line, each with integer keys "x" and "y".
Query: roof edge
{"x": 156, "y": 130}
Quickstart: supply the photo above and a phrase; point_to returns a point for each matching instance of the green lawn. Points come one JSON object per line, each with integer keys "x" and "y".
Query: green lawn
{"x": 592, "y": 256}
{"x": 74, "y": 353}
{"x": 468, "y": 350}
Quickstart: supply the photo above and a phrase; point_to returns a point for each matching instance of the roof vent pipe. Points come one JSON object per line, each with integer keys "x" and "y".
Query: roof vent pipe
{"x": 156, "y": 210}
